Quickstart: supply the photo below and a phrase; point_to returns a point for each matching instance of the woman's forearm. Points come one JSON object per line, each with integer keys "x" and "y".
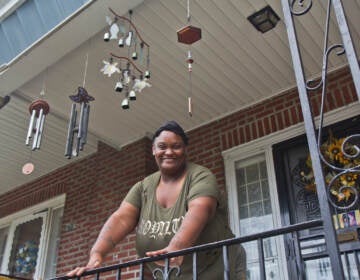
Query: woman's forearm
{"x": 198, "y": 215}
{"x": 119, "y": 224}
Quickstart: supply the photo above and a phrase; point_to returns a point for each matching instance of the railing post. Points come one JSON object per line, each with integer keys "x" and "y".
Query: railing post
{"x": 348, "y": 44}
{"x": 330, "y": 235}
{"x": 261, "y": 258}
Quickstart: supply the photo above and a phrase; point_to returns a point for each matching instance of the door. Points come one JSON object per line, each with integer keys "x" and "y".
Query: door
{"x": 299, "y": 203}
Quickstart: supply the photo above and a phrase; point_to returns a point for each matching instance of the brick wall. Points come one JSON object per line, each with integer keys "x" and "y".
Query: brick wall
{"x": 275, "y": 114}
{"x": 95, "y": 186}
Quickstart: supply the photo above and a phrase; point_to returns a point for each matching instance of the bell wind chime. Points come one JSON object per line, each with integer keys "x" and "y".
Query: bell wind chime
{"x": 189, "y": 35}
{"x": 133, "y": 77}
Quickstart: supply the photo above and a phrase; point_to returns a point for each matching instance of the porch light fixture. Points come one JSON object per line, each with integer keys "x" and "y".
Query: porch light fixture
{"x": 4, "y": 100}
{"x": 265, "y": 19}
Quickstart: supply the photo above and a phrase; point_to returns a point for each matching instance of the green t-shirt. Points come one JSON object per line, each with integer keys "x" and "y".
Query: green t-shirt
{"x": 157, "y": 225}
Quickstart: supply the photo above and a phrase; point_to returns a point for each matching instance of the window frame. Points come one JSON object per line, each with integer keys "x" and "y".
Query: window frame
{"x": 44, "y": 210}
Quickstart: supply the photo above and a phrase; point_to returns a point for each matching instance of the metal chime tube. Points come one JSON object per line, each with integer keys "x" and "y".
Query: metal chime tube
{"x": 84, "y": 126}
{"x": 40, "y": 131}
{"x": 80, "y": 128}
{"x": 82, "y": 108}
{"x": 31, "y": 127}
{"x": 37, "y": 128}
{"x": 190, "y": 106}
{"x": 69, "y": 138}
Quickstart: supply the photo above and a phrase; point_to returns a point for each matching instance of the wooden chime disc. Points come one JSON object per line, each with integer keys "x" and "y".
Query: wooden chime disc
{"x": 28, "y": 168}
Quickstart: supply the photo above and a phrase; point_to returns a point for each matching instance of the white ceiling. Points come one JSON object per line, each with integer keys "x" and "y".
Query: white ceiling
{"x": 235, "y": 66}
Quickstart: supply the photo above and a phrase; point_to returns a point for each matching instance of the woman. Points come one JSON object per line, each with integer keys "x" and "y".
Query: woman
{"x": 175, "y": 208}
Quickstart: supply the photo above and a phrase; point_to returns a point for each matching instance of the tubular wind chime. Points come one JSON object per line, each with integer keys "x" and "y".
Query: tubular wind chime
{"x": 133, "y": 78}
{"x": 80, "y": 129}
{"x": 38, "y": 110}
{"x": 189, "y": 35}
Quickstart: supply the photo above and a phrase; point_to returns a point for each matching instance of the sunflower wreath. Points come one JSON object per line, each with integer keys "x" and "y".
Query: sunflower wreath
{"x": 341, "y": 171}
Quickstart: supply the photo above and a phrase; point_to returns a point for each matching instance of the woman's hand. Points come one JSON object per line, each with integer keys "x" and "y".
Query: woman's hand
{"x": 119, "y": 224}
{"x": 175, "y": 261}
{"x": 94, "y": 262}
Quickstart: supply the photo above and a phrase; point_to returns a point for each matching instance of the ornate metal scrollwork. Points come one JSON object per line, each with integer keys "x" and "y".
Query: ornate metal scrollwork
{"x": 166, "y": 271}
{"x": 341, "y": 189}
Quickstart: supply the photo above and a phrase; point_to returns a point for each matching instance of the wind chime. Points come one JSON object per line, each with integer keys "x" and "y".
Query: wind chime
{"x": 189, "y": 35}
{"x": 132, "y": 78}
{"x": 79, "y": 129}
{"x": 38, "y": 110}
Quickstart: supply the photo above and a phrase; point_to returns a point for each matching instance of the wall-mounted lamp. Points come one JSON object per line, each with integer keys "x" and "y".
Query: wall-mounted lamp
{"x": 4, "y": 100}
{"x": 265, "y": 19}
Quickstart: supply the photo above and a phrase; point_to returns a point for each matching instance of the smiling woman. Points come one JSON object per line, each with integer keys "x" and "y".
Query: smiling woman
{"x": 177, "y": 207}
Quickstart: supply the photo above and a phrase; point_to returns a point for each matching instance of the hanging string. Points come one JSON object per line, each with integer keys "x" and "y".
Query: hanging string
{"x": 85, "y": 70}
{"x": 86, "y": 63}
{"x": 43, "y": 89}
{"x": 188, "y": 11}
{"x": 189, "y": 60}
{"x": 148, "y": 59}
{"x": 130, "y": 33}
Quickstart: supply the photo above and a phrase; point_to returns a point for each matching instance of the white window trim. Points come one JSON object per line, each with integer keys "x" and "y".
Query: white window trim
{"x": 264, "y": 146}
{"x": 249, "y": 152}
{"x": 19, "y": 217}
{"x": 51, "y": 203}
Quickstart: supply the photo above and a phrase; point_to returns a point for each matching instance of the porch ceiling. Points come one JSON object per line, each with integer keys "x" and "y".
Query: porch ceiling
{"x": 235, "y": 66}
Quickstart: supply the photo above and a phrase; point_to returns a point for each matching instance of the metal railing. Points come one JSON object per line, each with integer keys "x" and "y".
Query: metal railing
{"x": 295, "y": 8}
{"x": 11, "y": 277}
{"x": 168, "y": 271}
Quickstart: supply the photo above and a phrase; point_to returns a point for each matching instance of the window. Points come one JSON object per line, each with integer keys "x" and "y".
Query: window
{"x": 253, "y": 201}
{"x": 29, "y": 241}
{"x": 255, "y": 214}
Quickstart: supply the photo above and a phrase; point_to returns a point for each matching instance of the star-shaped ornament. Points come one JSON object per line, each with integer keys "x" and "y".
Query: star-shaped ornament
{"x": 139, "y": 85}
{"x": 110, "y": 68}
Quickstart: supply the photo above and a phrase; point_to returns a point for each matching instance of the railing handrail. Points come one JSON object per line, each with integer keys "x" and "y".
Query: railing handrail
{"x": 13, "y": 277}
{"x": 203, "y": 247}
